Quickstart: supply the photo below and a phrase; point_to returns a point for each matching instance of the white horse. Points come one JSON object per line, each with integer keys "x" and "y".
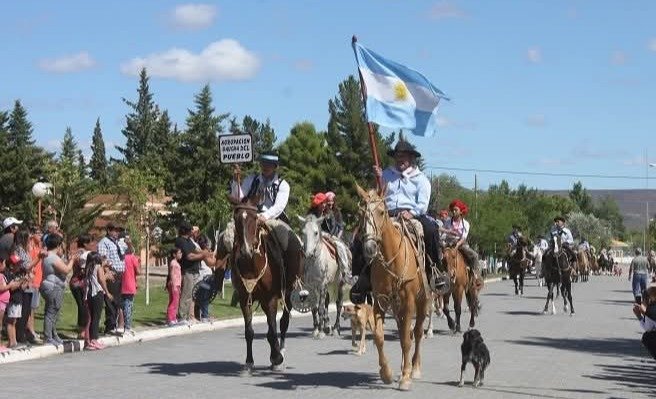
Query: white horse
{"x": 537, "y": 262}
{"x": 323, "y": 268}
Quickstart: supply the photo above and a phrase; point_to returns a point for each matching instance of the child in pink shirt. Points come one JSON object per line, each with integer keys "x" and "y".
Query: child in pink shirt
{"x": 173, "y": 284}
{"x": 129, "y": 288}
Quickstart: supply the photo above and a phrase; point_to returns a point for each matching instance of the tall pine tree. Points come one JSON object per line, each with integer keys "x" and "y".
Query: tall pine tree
{"x": 201, "y": 180}
{"x": 98, "y": 162}
{"x": 141, "y": 149}
{"x": 25, "y": 164}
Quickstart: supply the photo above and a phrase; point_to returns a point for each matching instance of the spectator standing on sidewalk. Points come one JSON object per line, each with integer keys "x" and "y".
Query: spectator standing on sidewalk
{"x": 55, "y": 271}
{"x": 5, "y": 293}
{"x": 173, "y": 285}
{"x": 114, "y": 251}
{"x": 129, "y": 287}
{"x": 190, "y": 266}
{"x": 96, "y": 286}
{"x": 639, "y": 272}
{"x": 77, "y": 284}
{"x": 35, "y": 248}
{"x": 27, "y": 264}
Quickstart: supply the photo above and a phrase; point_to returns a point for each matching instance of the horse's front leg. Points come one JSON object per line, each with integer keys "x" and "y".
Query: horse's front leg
{"x": 473, "y": 310}
{"x": 447, "y": 313}
{"x": 247, "y": 312}
{"x": 549, "y": 297}
{"x": 457, "y": 306}
{"x": 284, "y": 320}
{"x": 430, "y": 309}
{"x": 315, "y": 321}
{"x": 514, "y": 277}
{"x": 379, "y": 339}
{"x": 422, "y": 304}
{"x": 327, "y": 328}
{"x": 276, "y": 357}
{"x": 340, "y": 300}
{"x": 322, "y": 313}
{"x": 521, "y": 282}
{"x": 404, "y": 323}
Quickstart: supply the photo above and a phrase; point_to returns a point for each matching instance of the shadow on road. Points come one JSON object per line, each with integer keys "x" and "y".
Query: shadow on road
{"x": 183, "y": 369}
{"x": 522, "y": 313}
{"x": 637, "y": 376}
{"x": 342, "y": 379}
{"x": 624, "y": 347}
{"x": 529, "y": 391}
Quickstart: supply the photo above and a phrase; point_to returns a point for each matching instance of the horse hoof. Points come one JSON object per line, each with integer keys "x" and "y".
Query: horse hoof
{"x": 386, "y": 375}
{"x": 315, "y": 334}
{"x": 545, "y": 311}
{"x": 429, "y": 334}
{"x": 278, "y": 368}
{"x": 461, "y": 383}
{"x": 247, "y": 370}
{"x": 416, "y": 374}
{"x": 572, "y": 314}
{"x": 458, "y": 330}
{"x": 471, "y": 325}
{"x": 321, "y": 335}
{"x": 404, "y": 385}
{"x": 476, "y": 384}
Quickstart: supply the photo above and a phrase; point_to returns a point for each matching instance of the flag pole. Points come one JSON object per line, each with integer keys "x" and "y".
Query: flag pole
{"x": 372, "y": 136}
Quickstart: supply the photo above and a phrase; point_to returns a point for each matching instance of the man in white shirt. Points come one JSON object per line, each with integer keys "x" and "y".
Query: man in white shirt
{"x": 566, "y": 237}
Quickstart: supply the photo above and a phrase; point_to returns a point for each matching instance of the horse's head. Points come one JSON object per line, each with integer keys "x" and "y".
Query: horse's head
{"x": 311, "y": 235}
{"x": 556, "y": 243}
{"x": 373, "y": 215}
{"x": 246, "y": 228}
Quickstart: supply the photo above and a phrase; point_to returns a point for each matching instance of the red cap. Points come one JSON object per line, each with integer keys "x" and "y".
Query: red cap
{"x": 318, "y": 199}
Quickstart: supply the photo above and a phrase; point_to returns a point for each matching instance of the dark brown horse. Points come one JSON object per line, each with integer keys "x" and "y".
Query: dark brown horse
{"x": 557, "y": 271}
{"x": 518, "y": 263}
{"x": 265, "y": 273}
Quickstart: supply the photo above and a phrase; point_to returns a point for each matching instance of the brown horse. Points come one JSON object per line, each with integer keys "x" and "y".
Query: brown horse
{"x": 398, "y": 282}
{"x": 263, "y": 272}
{"x": 461, "y": 285}
{"x": 518, "y": 263}
{"x": 582, "y": 265}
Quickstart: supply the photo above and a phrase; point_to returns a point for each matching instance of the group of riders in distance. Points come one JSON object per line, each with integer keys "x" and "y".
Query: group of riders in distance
{"x": 400, "y": 261}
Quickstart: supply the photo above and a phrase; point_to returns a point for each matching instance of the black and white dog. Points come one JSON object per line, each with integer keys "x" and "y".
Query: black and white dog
{"x": 474, "y": 350}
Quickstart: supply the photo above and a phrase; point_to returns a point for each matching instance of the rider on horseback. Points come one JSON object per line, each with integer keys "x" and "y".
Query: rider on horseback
{"x": 332, "y": 223}
{"x": 407, "y": 194}
{"x": 457, "y": 230}
{"x": 559, "y": 229}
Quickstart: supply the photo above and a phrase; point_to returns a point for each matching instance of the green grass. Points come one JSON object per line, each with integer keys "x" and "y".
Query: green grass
{"x": 143, "y": 316}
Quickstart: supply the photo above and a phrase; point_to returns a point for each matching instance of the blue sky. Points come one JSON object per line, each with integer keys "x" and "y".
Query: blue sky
{"x": 536, "y": 86}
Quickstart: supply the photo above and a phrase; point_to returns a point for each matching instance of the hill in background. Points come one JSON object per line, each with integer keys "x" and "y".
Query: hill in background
{"x": 632, "y": 204}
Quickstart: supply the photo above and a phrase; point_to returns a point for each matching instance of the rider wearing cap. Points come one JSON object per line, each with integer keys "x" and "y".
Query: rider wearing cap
{"x": 457, "y": 229}
{"x": 514, "y": 237}
{"x": 332, "y": 223}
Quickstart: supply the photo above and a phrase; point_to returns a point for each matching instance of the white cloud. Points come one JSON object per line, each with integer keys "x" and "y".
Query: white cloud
{"x": 618, "y": 58}
{"x": 68, "y": 63}
{"x": 534, "y": 55}
{"x": 637, "y": 160}
{"x": 652, "y": 44}
{"x": 225, "y": 59}
{"x": 537, "y": 120}
{"x": 193, "y": 16}
{"x": 446, "y": 9}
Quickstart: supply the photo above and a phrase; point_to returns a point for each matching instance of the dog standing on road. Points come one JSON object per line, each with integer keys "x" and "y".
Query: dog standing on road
{"x": 475, "y": 351}
{"x": 362, "y": 319}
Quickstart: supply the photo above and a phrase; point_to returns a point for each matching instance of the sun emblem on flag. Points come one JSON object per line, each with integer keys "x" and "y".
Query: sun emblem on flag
{"x": 400, "y": 91}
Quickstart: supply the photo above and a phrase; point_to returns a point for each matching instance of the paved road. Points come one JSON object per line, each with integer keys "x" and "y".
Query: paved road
{"x": 595, "y": 354}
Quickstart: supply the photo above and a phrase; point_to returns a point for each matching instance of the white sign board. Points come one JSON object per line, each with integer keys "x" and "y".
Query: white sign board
{"x": 235, "y": 148}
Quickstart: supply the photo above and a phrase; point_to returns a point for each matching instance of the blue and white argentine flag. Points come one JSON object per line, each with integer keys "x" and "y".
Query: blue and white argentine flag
{"x": 397, "y": 96}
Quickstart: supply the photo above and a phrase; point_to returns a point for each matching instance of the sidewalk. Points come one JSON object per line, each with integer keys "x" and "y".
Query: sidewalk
{"x": 70, "y": 346}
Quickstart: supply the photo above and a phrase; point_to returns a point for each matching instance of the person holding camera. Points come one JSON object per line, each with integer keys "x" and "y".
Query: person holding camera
{"x": 646, "y": 314}
{"x": 114, "y": 250}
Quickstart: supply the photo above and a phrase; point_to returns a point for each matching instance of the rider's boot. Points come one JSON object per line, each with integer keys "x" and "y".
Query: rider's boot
{"x": 361, "y": 288}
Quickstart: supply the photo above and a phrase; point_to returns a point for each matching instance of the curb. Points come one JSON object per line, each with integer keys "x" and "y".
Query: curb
{"x": 71, "y": 346}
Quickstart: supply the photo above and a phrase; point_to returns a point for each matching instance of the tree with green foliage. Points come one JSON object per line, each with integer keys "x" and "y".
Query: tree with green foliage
{"x": 201, "y": 181}
{"x": 98, "y": 162}
{"x": 304, "y": 157}
{"x": 588, "y": 226}
{"x": 71, "y": 191}
{"x": 24, "y": 163}
{"x": 579, "y": 195}
{"x": 347, "y": 140}
{"x": 607, "y": 209}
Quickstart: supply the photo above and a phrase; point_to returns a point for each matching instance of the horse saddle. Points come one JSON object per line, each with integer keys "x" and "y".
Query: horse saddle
{"x": 415, "y": 230}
